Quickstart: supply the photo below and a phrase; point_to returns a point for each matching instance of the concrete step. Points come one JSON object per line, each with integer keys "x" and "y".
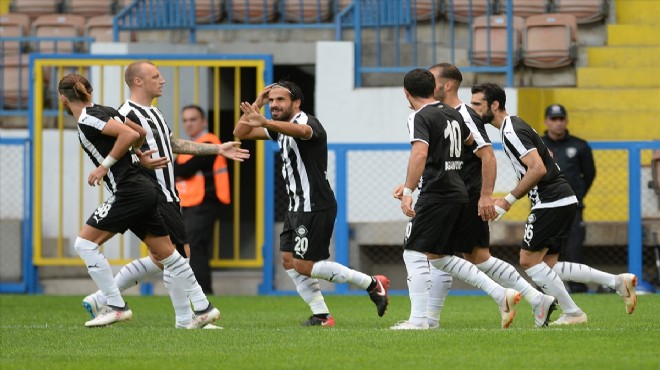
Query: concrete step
{"x": 598, "y": 124}
{"x": 638, "y": 12}
{"x": 613, "y": 77}
{"x": 626, "y": 57}
{"x": 633, "y": 35}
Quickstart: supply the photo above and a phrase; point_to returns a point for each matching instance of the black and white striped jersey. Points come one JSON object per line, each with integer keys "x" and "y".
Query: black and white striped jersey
{"x": 518, "y": 139}
{"x": 98, "y": 145}
{"x": 442, "y": 128}
{"x": 471, "y": 172}
{"x": 158, "y": 137}
{"x": 305, "y": 166}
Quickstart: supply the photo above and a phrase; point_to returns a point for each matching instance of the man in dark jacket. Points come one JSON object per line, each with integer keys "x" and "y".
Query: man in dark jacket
{"x": 574, "y": 157}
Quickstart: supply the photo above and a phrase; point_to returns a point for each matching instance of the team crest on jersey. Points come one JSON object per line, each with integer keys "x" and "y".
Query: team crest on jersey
{"x": 571, "y": 152}
{"x": 531, "y": 218}
{"x": 301, "y": 231}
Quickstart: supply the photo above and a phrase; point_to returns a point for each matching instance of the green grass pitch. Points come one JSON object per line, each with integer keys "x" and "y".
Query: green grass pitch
{"x": 47, "y": 332}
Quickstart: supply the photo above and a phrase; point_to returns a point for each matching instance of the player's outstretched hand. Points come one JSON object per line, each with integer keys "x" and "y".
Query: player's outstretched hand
{"x": 253, "y": 114}
{"x": 150, "y": 163}
{"x": 232, "y": 150}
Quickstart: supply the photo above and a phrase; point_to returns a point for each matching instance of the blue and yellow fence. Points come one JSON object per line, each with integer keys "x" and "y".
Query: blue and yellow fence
{"x": 61, "y": 201}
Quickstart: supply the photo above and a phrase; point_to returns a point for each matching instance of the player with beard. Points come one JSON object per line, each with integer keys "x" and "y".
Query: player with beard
{"x": 553, "y": 205}
{"x": 478, "y": 172}
{"x": 310, "y": 219}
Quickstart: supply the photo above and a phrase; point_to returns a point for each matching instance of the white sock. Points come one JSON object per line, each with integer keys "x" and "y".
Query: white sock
{"x": 507, "y": 275}
{"x": 577, "y": 272}
{"x": 183, "y": 277}
{"x": 100, "y": 271}
{"x": 182, "y": 311}
{"x": 419, "y": 282}
{"x": 548, "y": 280}
{"x": 337, "y": 273}
{"x": 469, "y": 273}
{"x": 440, "y": 285}
{"x": 136, "y": 272}
{"x": 310, "y": 291}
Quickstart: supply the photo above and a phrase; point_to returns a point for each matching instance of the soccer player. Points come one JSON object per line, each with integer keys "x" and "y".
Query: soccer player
{"x": 133, "y": 204}
{"x": 478, "y": 172}
{"x": 553, "y": 201}
{"x": 145, "y": 83}
{"x": 437, "y": 134}
{"x": 312, "y": 210}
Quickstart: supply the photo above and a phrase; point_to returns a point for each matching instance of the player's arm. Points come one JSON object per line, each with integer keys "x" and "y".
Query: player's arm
{"x": 125, "y": 137}
{"x": 243, "y": 130}
{"x": 488, "y": 175}
{"x": 257, "y": 121}
{"x": 140, "y": 130}
{"x": 416, "y": 163}
{"x": 230, "y": 150}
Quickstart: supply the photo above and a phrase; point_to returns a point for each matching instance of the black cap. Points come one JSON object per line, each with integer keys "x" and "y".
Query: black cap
{"x": 555, "y": 110}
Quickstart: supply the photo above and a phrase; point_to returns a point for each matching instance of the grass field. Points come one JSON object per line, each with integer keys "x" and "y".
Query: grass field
{"x": 47, "y": 332}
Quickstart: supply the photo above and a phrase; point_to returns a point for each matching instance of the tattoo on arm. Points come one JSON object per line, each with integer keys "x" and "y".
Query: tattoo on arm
{"x": 190, "y": 147}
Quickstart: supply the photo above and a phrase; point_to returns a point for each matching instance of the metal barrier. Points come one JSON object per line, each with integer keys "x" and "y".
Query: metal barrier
{"x": 60, "y": 202}
{"x": 370, "y": 224}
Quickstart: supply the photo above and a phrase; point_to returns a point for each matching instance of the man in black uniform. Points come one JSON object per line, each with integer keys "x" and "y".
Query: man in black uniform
{"x": 310, "y": 219}
{"x": 106, "y": 136}
{"x": 574, "y": 157}
{"x": 553, "y": 205}
{"x": 437, "y": 134}
{"x": 478, "y": 172}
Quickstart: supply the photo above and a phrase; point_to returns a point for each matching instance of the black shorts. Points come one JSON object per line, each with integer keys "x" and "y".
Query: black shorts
{"x": 307, "y": 234}
{"x": 434, "y": 229}
{"x": 474, "y": 231}
{"x": 133, "y": 207}
{"x": 548, "y": 228}
{"x": 173, "y": 218}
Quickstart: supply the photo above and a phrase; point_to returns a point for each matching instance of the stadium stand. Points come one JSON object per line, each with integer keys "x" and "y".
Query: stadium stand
{"x": 100, "y": 28}
{"x": 252, "y": 11}
{"x": 13, "y": 25}
{"x": 495, "y": 48}
{"x": 585, "y": 11}
{"x": 549, "y": 40}
{"x": 462, "y": 8}
{"x": 36, "y": 8}
{"x": 15, "y": 79}
{"x": 427, "y": 9}
{"x": 526, "y": 8}
{"x": 208, "y": 11}
{"x": 90, "y": 8}
{"x": 307, "y": 11}
{"x": 58, "y": 25}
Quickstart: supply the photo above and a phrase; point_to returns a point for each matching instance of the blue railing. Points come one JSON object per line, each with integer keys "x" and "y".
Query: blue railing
{"x": 156, "y": 15}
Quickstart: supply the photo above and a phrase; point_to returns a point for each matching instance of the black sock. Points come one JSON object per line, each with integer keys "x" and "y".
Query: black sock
{"x": 322, "y": 315}
{"x": 372, "y": 285}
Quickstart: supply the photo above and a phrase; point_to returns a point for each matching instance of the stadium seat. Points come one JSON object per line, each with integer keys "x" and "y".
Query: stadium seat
{"x": 655, "y": 174}
{"x": 526, "y": 8}
{"x": 36, "y": 8}
{"x": 307, "y": 11}
{"x": 462, "y": 8}
{"x": 89, "y": 8}
{"x": 498, "y": 40}
{"x": 13, "y": 25}
{"x": 252, "y": 11}
{"x": 585, "y": 11}
{"x": 427, "y": 9}
{"x": 549, "y": 41}
{"x": 208, "y": 11}
{"x": 100, "y": 28}
{"x": 15, "y": 81}
{"x": 57, "y": 25}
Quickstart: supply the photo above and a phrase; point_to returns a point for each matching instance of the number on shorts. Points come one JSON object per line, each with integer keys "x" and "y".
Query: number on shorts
{"x": 529, "y": 233}
{"x": 301, "y": 245}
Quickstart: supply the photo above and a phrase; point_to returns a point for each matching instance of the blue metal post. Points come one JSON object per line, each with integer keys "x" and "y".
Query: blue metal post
{"x": 634, "y": 211}
{"x": 341, "y": 227}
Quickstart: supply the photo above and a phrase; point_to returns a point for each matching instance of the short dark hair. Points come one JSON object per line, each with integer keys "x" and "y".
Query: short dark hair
{"x": 420, "y": 83}
{"x": 449, "y": 71}
{"x": 294, "y": 90}
{"x": 492, "y": 93}
{"x": 196, "y": 107}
